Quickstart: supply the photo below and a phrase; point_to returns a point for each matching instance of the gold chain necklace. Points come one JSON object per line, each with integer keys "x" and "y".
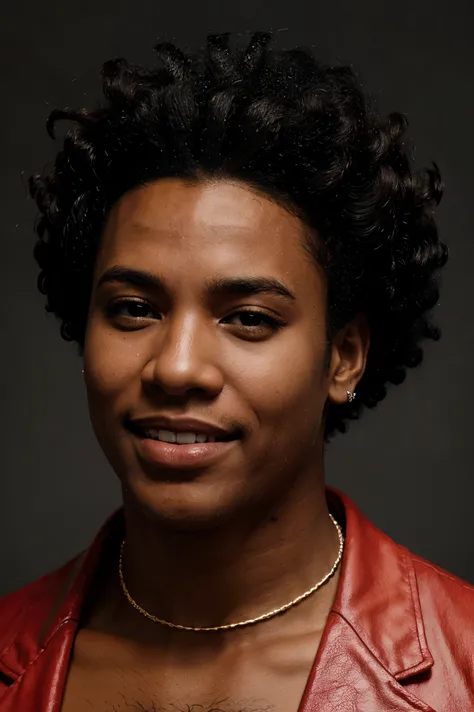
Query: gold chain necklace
{"x": 240, "y": 624}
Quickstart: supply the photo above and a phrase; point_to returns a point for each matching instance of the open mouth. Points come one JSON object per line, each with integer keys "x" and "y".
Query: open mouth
{"x": 184, "y": 448}
{"x": 180, "y": 438}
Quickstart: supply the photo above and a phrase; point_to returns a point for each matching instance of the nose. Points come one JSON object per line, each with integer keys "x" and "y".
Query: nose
{"x": 185, "y": 358}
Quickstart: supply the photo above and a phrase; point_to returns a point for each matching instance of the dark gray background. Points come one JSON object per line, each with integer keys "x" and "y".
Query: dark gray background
{"x": 408, "y": 464}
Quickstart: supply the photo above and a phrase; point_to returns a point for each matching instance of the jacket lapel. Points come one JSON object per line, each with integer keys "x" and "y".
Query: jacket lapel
{"x": 347, "y": 678}
{"x": 374, "y": 639}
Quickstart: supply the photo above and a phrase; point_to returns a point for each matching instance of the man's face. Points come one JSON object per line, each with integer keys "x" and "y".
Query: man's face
{"x": 190, "y": 346}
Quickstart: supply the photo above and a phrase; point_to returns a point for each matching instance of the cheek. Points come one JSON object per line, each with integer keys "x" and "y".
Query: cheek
{"x": 111, "y": 358}
{"x": 290, "y": 379}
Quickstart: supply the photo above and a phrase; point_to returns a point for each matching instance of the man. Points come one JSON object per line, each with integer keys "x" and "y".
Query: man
{"x": 241, "y": 250}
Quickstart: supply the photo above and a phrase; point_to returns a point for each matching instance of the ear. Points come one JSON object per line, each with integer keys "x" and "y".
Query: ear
{"x": 349, "y": 349}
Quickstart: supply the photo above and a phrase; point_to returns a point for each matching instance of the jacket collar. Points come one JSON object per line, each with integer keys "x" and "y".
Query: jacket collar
{"x": 377, "y": 597}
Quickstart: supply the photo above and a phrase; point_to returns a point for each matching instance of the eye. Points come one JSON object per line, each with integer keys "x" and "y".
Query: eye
{"x": 254, "y": 320}
{"x": 131, "y": 310}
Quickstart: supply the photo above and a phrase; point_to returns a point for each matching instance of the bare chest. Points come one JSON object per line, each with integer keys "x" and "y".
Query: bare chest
{"x": 246, "y": 681}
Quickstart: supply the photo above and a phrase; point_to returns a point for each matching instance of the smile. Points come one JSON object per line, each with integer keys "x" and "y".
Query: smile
{"x": 165, "y": 449}
{"x": 181, "y": 438}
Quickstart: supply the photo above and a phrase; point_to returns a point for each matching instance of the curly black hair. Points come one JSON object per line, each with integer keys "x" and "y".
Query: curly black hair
{"x": 301, "y": 132}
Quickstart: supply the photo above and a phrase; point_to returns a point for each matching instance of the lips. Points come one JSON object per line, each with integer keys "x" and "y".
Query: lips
{"x": 170, "y": 456}
{"x": 155, "y": 426}
{"x": 158, "y": 452}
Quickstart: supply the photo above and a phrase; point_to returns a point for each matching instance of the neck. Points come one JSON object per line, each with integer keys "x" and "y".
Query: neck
{"x": 236, "y": 572}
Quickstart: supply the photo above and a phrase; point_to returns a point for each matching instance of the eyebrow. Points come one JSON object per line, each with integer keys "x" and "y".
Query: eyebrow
{"x": 216, "y": 286}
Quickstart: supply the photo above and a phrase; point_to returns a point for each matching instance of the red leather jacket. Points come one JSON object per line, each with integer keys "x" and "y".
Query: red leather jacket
{"x": 399, "y": 638}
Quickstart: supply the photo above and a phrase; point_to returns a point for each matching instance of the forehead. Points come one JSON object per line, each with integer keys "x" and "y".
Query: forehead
{"x": 194, "y": 229}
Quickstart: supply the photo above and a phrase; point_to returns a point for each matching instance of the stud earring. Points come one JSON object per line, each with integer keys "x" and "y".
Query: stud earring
{"x": 350, "y": 396}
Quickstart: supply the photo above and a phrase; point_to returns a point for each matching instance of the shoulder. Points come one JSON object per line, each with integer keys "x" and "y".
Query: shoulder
{"x": 33, "y": 601}
{"x": 60, "y": 594}
{"x": 448, "y": 591}
{"x": 447, "y": 605}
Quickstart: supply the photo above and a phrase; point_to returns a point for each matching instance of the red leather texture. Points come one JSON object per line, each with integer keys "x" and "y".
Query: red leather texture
{"x": 399, "y": 638}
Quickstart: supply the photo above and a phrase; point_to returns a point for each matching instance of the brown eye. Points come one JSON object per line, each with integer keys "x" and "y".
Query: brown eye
{"x": 131, "y": 309}
{"x": 252, "y": 319}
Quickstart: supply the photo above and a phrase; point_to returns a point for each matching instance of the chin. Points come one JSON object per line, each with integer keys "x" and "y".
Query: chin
{"x": 183, "y": 505}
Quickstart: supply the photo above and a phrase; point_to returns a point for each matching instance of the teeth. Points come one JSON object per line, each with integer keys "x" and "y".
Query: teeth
{"x": 181, "y": 438}
{"x": 186, "y": 438}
